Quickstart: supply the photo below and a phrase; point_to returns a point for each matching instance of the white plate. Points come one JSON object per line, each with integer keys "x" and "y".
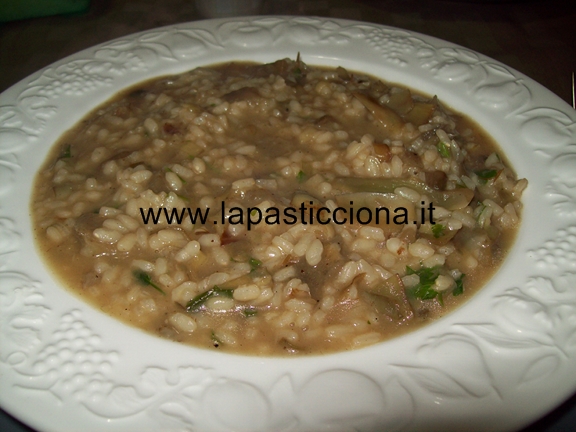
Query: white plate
{"x": 499, "y": 362}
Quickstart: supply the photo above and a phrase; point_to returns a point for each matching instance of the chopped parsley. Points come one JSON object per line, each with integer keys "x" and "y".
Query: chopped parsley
{"x": 197, "y": 302}
{"x": 459, "y": 286}
{"x": 300, "y": 176}
{"x": 254, "y": 264}
{"x": 145, "y": 279}
{"x": 444, "y": 149}
{"x": 66, "y": 153}
{"x": 215, "y": 341}
{"x": 423, "y": 290}
{"x": 211, "y": 167}
{"x": 438, "y": 230}
{"x": 249, "y": 312}
{"x": 480, "y": 209}
{"x": 485, "y": 175}
{"x": 168, "y": 169}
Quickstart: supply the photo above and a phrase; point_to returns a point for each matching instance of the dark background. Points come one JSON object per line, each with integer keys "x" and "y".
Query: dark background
{"x": 537, "y": 38}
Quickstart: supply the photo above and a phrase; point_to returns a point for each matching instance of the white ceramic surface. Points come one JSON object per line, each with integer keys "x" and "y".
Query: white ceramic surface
{"x": 497, "y": 363}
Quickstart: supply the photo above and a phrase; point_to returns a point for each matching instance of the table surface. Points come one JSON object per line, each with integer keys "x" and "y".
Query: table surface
{"x": 537, "y": 38}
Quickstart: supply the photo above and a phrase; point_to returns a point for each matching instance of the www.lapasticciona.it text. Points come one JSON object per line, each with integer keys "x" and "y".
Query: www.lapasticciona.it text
{"x": 305, "y": 214}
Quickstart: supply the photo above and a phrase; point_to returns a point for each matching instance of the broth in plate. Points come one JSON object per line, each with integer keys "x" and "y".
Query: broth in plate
{"x": 276, "y": 209}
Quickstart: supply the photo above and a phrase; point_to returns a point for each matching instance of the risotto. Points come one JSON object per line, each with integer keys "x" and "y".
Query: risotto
{"x": 275, "y": 209}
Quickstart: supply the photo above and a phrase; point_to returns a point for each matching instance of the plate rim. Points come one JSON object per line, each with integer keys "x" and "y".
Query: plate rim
{"x": 453, "y": 68}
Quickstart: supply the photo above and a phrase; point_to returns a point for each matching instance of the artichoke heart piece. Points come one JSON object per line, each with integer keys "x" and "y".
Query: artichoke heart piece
{"x": 389, "y": 211}
{"x": 420, "y": 114}
{"x": 449, "y": 199}
{"x": 306, "y": 200}
{"x": 387, "y": 119}
{"x": 390, "y": 298}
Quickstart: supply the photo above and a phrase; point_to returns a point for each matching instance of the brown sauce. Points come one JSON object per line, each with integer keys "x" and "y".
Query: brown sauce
{"x": 263, "y": 139}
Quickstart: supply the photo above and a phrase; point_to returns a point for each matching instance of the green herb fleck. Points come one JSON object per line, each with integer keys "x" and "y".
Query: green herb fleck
{"x": 145, "y": 279}
{"x": 486, "y": 174}
{"x": 438, "y": 230}
{"x": 482, "y": 207}
{"x": 459, "y": 286}
{"x": 66, "y": 153}
{"x": 460, "y": 184}
{"x": 249, "y": 312}
{"x": 254, "y": 264}
{"x": 441, "y": 299}
{"x": 211, "y": 167}
{"x": 423, "y": 290}
{"x": 298, "y": 72}
{"x": 300, "y": 176}
{"x": 215, "y": 341}
{"x": 444, "y": 149}
{"x": 167, "y": 169}
{"x": 253, "y": 212}
{"x": 197, "y": 302}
